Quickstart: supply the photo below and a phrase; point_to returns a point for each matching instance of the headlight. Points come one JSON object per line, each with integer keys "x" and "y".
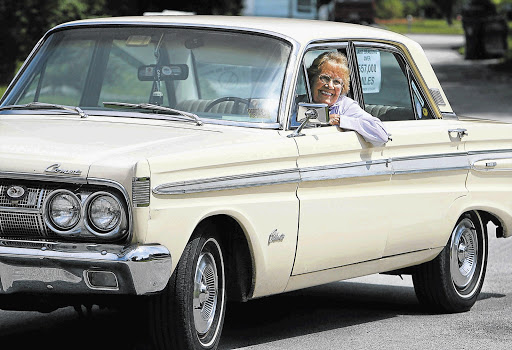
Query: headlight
{"x": 104, "y": 214}
{"x": 62, "y": 210}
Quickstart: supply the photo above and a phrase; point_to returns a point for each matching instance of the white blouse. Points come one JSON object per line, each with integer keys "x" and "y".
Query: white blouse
{"x": 353, "y": 117}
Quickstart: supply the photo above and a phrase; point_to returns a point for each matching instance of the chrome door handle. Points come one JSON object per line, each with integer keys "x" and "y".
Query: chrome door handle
{"x": 460, "y": 132}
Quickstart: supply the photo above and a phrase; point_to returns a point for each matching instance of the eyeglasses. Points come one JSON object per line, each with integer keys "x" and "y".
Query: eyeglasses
{"x": 324, "y": 78}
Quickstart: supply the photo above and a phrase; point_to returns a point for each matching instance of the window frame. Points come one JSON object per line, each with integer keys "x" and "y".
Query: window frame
{"x": 409, "y": 74}
{"x": 302, "y": 70}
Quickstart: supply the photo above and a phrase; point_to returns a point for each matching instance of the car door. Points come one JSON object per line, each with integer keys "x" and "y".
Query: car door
{"x": 429, "y": 162}
{"x": 343, "y": 194}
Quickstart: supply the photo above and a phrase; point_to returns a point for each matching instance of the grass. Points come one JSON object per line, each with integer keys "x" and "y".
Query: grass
{"x": 2, "y": 90}
{"x": 422, "y": 26}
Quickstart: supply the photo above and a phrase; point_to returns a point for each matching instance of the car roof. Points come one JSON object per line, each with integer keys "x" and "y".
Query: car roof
{"x": 300, "y": 30}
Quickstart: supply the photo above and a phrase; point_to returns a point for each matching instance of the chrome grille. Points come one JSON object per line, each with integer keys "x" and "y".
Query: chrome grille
{"x": 140, "y": 191}
{"x": 21, "y": 224}
{"x": 23, "y": 218}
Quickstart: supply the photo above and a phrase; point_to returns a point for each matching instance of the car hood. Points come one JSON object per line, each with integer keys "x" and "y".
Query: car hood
{"x": 95, "y": 147}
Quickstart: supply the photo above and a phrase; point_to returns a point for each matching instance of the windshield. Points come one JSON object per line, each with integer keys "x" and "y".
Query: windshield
{"x": 214, "y": 74}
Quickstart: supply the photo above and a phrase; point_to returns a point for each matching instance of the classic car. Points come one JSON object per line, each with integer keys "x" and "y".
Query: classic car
{"x": 179, "y": 162}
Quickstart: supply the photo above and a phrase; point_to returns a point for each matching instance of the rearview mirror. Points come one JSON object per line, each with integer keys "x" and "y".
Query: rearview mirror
{"x": 169, "y": 72}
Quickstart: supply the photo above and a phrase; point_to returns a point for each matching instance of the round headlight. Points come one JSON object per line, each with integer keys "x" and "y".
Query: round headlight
{"x": 63, "y": 210}
{"x": 104, "y": 212}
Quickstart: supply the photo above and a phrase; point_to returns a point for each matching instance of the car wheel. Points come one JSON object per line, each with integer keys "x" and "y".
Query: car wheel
{"x": 453, "y": 280}
{"x": 189, "y": 313}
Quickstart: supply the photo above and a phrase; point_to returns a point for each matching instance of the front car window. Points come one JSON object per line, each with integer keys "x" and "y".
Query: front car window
{"x": 219, "y": 75}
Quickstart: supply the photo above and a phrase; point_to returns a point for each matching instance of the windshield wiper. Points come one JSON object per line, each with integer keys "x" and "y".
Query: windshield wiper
{"x": 155, "y": 108}
{"x": 41, "y": 105}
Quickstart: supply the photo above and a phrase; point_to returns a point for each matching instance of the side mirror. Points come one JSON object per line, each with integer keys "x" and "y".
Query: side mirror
{"x": 313, "y": 113}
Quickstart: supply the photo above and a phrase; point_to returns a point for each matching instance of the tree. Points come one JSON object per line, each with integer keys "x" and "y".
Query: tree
{"x": 24, "y": 22}
{"x": 387, "y": 9}
{"x": 446, "y": 8}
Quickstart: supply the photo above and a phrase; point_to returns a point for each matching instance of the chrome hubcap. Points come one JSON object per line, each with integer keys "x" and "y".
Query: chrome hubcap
{"x": 205, "y": 293}
{"x": 463, "y": 254}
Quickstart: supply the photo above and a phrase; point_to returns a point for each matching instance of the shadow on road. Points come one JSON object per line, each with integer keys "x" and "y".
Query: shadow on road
{"x": 313, "y": 310}
{"x": 332, "y": 306}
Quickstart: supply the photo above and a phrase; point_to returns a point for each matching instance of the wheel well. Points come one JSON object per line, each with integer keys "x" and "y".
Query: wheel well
{"x": 237, "y": 256}
{"x": 486, "y": 217}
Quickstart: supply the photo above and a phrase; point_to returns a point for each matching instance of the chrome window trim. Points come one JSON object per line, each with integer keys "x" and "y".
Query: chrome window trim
{"x": 394, "y": 47}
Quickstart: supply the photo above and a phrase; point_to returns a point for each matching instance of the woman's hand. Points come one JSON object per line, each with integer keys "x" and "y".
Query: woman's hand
{"x": 334, "y": 119}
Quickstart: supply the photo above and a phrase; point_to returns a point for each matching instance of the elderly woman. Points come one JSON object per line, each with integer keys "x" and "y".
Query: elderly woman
{"x": 329, "y": 79}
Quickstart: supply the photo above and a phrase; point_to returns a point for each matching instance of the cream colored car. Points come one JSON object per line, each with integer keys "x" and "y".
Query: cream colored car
{"x": 165, "y": 158}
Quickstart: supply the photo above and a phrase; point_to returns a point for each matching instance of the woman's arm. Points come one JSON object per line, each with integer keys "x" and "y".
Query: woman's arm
{"x": 352, "y": 117}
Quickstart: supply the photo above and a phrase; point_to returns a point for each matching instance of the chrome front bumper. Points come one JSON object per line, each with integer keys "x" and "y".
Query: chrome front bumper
{"x": 79, "y": 268}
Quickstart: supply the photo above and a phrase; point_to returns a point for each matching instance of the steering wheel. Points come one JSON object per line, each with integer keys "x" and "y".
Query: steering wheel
{"x": 237, "y": 101}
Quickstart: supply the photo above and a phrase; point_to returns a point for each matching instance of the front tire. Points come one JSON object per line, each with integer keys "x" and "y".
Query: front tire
{"x": 189, "y": 313}
{"x": 453, "y": 280}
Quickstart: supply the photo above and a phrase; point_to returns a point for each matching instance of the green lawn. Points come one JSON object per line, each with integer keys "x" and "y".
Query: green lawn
{"x": 423, "y": 26}
{"x": 2, "y": 90}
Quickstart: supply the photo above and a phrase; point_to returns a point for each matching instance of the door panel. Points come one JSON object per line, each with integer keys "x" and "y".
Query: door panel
{"x": 343, "y": 193}
{"x": 429, "y": 173}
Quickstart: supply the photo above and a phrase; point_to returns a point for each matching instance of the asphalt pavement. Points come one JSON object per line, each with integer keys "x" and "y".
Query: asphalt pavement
{"x": 475, "y": 88}
{"x": 373, "y": 312}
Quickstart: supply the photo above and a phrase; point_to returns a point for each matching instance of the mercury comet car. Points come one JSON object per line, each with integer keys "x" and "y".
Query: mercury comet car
{"x": 167, "y": 160}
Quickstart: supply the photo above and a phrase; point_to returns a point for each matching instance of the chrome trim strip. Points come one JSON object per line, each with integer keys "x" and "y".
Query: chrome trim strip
{"x": 230, "y": 182}
{"x": 494, "y": 151}
{"x": 20, "y": 210}
{"x": 367, "y": 261}
{"x": 430, "y": 163}
{"x": 89, "y": 284}
{"x": 449, "y": 116}
{"x": 41, "y": 266}
{"x": 477, "y": 156}
{"x": 347, "y": 170}
{"x": 42, "y": 177}
{"x": 391, "y": 166}
{"x": 40, "y": 220}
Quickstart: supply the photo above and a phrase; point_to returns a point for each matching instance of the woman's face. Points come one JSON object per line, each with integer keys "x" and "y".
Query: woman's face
{"x": 327, "y": 84}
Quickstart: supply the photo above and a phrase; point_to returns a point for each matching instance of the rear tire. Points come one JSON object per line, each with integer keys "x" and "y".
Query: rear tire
{"x": 189, "y": 313}
{"x": 453, "y": 280}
